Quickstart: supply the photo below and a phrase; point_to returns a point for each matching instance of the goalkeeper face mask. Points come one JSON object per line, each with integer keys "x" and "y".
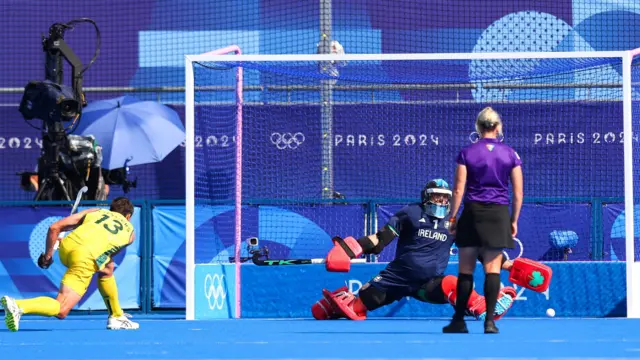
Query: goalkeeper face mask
{"x": 437, "y": 198}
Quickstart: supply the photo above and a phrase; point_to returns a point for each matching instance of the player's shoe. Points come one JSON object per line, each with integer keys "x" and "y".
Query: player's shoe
{"x": 323, "y": 309}
{"x": 505, "y": 300}
{"x": 12, "y": 313}
{"x": 456, "y": 327}
{"x": 343, "y": 302}
{"x": 122, "y": 323}
{"x": 506, "y": 297}
{"x": 490, "y": 327}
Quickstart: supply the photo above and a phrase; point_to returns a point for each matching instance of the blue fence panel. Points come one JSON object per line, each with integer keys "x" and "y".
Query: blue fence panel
{"x": 151, "y": 273}
{"x": 302, "y": 231}
{"x": 578, "y": 289}
{"x": 168, "y": 256}
{"x": 25, "y": 229}
{"x": 613, "y": 230}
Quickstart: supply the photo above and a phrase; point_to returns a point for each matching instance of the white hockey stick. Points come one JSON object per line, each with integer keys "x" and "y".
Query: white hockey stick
{"x": 73, "y": 210}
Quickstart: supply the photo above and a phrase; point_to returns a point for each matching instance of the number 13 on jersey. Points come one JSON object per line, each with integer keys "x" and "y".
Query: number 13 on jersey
{"x": 113, "y": 226}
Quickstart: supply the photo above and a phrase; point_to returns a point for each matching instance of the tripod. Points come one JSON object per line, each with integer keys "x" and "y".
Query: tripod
{"x": 52, "y": 183}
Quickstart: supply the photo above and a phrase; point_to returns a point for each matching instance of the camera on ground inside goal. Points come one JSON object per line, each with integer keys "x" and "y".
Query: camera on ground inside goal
{"x": 253, "y": 242}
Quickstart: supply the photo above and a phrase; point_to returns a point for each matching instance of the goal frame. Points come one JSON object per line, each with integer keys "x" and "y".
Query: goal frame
{"x": 190, "y": 179}
{"x": 632, "y": 267}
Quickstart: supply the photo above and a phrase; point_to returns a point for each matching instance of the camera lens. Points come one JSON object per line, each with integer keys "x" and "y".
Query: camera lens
{"x": 69, "y": 109}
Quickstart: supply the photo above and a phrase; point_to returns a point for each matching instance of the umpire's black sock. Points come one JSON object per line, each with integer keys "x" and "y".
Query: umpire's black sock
{"x": 491, "y": 290}
{"x": 463, "y": 290}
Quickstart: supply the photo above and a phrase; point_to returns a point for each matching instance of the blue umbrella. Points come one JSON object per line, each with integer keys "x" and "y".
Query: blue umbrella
{"x": 131, "y": 131}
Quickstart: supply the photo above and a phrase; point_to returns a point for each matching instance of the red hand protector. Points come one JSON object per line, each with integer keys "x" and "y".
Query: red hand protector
{"x": 530, "y": 274}
{"x": 339, "y": 258}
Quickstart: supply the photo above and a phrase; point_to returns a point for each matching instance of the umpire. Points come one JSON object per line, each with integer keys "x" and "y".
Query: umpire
{"x": 485, "y": 227}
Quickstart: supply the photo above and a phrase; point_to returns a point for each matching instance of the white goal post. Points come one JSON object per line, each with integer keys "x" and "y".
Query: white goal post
{"x": 626, "y": 58}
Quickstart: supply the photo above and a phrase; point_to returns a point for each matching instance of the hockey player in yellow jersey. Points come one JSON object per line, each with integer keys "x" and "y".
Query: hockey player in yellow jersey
{"x": 96, "y": 235}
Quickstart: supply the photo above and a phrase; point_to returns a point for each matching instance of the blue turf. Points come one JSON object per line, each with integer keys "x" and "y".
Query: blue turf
{"x": 86, "y": 338}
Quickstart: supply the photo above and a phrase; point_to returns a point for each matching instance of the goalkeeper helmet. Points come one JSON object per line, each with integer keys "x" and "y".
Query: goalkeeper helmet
{"x": 436, "y": 198}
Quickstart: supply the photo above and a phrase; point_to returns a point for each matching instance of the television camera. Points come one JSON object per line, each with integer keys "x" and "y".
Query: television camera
{"x": 67, "y": 162}
{"x": 254, "y": 250}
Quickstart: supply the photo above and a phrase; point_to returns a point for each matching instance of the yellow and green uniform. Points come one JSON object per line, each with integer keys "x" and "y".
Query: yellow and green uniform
{"x": 89, "y": 247}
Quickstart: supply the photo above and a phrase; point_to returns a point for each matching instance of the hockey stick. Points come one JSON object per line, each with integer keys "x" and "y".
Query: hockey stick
{"x": 83, "y": 190}
{"x": 78, "y": 197}
{"x": 260, "y": 256}
{"x": 261, "y": 262}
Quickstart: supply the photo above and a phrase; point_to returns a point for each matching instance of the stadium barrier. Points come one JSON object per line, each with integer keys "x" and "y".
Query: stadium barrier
{"x": 25, "y": 226}
{"x": 285, "y": 291}
{"x": 151, "y": 273}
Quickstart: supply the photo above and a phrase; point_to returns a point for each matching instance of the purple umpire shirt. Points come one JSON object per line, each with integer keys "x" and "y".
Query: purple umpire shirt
{"x": 489, "y": 163}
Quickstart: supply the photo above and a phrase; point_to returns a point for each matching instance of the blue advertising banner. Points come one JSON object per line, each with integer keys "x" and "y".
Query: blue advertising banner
{"x": 169, "y": 271}
{"x": 24, "y": 239}
{"x": 169, "y": 256}
{"x": 288, "y": 232}
{"x": 400, "y": 146}
{"x": 538, "y": 229}
{"x": 215, "y": 295}
{"x": 404, "y": 145}
{"x": 578, "y": 289}
{"x": 613, "y": 231}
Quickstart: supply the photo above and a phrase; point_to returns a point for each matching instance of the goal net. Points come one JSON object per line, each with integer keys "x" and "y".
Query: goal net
{"x": 295, "y": 149}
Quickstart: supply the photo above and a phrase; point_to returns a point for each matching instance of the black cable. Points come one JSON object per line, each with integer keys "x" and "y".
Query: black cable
{"x": 70, "y": 24}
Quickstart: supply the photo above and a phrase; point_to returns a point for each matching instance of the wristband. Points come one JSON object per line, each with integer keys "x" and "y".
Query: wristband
{"x": 452, "y": 220}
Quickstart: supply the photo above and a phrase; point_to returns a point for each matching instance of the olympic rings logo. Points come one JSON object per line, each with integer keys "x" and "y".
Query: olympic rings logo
{"x": 214, "y": 291}
{"x": 521, "y": 249}
{"x": 287, "y": 140}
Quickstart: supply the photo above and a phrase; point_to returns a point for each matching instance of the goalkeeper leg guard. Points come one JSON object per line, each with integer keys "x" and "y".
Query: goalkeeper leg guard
{"x": 323, "y": 308}
{"x": 449, "y": 284}
{"x": 348, "y": 305}
{"x": 475, "y": 306}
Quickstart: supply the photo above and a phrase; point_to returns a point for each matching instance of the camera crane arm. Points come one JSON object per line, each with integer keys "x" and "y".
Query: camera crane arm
{"x": 56, "y": 49}
{"x": 54, "y": 46}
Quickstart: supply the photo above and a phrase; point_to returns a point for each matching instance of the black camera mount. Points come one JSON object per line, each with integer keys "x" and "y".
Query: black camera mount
{"x": 56, "y": 49}
{"x": 255, "y": 251}
{"x": 54, "y": 104}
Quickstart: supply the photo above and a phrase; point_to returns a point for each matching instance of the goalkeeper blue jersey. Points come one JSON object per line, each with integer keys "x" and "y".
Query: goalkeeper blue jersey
{"x": 424, "y": 243}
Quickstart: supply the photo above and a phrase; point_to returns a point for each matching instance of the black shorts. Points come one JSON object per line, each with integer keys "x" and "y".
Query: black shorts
{"x": 391, "y": 287}
{"x": 484, "y": 225}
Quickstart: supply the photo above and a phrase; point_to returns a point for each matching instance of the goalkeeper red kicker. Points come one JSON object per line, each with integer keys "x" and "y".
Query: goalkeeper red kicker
{"x": 417, "y": 271}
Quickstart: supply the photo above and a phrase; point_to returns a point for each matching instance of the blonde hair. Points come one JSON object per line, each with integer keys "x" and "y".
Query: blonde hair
{"x": 487, "y": 120}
